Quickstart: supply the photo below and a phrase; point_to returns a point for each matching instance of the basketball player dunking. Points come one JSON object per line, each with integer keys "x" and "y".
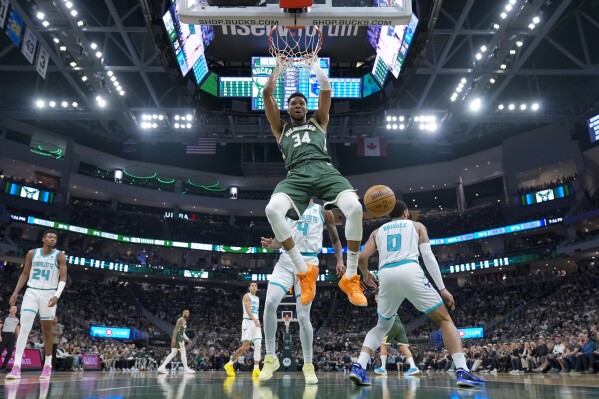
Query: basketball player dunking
{"x": 307, "y": 233}
{"x": 399, "y": 243}
{"x": 178, "y": 345}
{"x": 311, "y": 174}
{"x": 45, "y": 273}
{"x": 250, "y": 332}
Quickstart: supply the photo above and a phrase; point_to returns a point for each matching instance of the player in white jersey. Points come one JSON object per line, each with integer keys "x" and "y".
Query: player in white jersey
{"x": 399, "y": 243}
{"x": 45, "y": 274}
{"x": 251, "y": 332}
{"x": 307, "y": 234}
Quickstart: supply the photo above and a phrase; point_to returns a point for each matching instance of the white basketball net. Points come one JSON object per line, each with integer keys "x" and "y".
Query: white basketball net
{"x": 295, "y": 46}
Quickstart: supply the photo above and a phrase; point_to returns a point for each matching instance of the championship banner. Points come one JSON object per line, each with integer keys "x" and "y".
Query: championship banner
{"x": 3, "y": 12}
{"x": 32, "y": 359}
{"x": 14, "y": 29}
{"x": 42, "y": 62}
{"x": 29, "y": 45}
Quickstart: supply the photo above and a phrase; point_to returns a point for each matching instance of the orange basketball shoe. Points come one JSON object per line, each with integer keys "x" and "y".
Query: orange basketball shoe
{"x": 353, "y": 288}
{"x": 307, "y": 283}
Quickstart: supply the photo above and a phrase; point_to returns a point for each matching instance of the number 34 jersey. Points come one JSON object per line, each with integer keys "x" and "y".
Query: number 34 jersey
{"x": 44, "y": 272}
{"x": 301, "y": 143}
{"x": 396, "y": 241}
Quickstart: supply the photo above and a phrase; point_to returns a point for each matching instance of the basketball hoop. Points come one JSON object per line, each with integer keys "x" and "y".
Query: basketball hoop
{"x": 295, "y": 46}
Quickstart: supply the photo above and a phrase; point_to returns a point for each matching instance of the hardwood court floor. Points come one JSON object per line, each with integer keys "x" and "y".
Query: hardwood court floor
{"x": 217, "y": 385}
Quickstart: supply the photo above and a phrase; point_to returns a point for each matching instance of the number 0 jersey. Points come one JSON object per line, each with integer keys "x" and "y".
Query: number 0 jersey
{"x": 397, "y": 241}
{"x": 44, "y": 272}
{"x": 301, "y": 143}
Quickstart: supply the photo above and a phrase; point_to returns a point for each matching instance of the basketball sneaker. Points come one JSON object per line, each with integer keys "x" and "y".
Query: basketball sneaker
{"x": 256, "y": 373}
{"x": 271, "y": 364}
{"x": 14, "y": 374}
{"x": 46, "y": 373}
{"x": 466, "y": 379}
{"x": 189, "y": 371}
{"x": 309, "y": 374}
{"x": 162, "y": 370}
{"x": 380, "y": 371}
{"x": 412, "y": 371}
{"x": 307, "y": 283}
{"x": 353, "y": 289}
{"x": 230, "y": 370}
{"x": 358, "y": 375}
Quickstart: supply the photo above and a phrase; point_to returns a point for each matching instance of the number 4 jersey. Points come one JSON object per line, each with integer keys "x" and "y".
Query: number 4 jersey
{"x": 44, "y": 272}
{"x": 301, "y": 143}
{"x": 397, "y": 241}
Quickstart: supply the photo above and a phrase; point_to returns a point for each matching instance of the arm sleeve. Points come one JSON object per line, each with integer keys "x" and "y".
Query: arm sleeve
{"x": 323, "y": 79}
{"x": 431, "y": 264}
{"x": 185, "y": 337}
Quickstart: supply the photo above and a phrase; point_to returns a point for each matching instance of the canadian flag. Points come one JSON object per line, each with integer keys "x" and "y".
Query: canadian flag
{"x": 372, "y": 147}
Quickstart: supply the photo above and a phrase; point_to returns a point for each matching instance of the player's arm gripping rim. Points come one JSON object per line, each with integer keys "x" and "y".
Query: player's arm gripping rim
{"x": 273, "y": 114}
{"x": 329, "y": 222}
{"x": 23, "y": 278}
{"x": 430, "y": 262}
{"x": 369, "y": 249}
{"x": 324, "y": 97}
{"x": 62, "y": 275}
{"x": 248, "y": 309}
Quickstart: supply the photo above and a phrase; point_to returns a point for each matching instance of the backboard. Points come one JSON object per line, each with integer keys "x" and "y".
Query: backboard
{"x": 322, "y": 13}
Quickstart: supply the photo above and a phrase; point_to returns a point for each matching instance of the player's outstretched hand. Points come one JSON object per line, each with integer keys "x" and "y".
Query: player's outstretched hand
{"x": 448, "y": 298}
{"x": 370, "y": 280}
{"x": 266, "y": 242}
{"x": 340, "y": 269}
{"x": 52, "y": 302}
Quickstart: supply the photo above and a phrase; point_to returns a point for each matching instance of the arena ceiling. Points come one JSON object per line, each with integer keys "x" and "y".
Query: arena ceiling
{"x": 553, "y": 64}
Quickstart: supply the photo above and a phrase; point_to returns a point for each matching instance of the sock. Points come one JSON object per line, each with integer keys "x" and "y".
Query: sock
{"x": 384, "y": 362}
{"x": 168, "y": 358}
{"x": 363, "y": 359}
{"x": 459, "y": 360}
{"x": 274, "y": 295}
{"x": 412, "y": 364}
{"x": 352, "y": 264}
{"x": 184, "y": 358}
{"x": 27, "y": 319}
{"x": 298, "y": 261}
{"x": 256, "y": 366}
{"x": 48, "y": 361}
{"x": 230, "y": 362}
{"x": 306, "y": 331}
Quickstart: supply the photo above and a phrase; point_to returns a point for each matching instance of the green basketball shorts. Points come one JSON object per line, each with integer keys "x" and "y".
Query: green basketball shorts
{"x": 397, "y": 333}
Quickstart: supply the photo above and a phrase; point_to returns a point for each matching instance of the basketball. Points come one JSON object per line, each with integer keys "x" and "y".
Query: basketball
{"x": 379, "y": 199}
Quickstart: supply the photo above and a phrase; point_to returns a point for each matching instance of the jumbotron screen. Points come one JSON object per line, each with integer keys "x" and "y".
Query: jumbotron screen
{"x": 593, "y": 125}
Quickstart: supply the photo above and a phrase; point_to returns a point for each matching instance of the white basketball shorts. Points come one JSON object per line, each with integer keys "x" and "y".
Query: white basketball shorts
{"x": 406, "y": 281}
{"x": 283, "y": 275}
{"x": 36, "y": 300}
{"x": 249, "y": 331}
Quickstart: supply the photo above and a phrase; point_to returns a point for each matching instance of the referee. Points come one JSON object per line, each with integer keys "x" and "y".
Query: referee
{"x": 10, "y": 331}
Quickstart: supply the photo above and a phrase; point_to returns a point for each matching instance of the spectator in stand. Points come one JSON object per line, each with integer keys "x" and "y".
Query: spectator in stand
{"x": 586, "y": 356}
{"x": 553, "y": 358}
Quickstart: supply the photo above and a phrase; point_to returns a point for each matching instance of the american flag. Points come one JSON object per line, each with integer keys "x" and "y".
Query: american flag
{"x": 201, "y": 146}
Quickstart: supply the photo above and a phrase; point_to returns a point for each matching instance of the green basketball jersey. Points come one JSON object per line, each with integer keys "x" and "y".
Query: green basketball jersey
{"x": 305, "y": 142}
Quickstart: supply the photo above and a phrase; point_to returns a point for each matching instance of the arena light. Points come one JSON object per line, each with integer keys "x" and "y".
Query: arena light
{"x": 52, "y": 104}
{"x": 511, "y": 107}
{"x": 475, "y": 104}
{"x": 394, "y": 126}
{"x": 73, "y": 64}
{"x": 523, "y": 107}
{"x": 519, "y": 43}
{"x": 388, "y": 118}
{"x": 531, "y": 26}
{"x": 508, "y": 7}
{"x": 98, "y": 54}
{"x": 503, "y": 66}
{"x": 388, "y": 126}
{"x": 109, "y": 73}
{"x": 394, "y": 119}
{"x": 500, "y": 107}
{"x": 40, "y": 104}
{"x": 69, "y": 5}
{"x": 64, "y": 104}
{"x": 46, "y": 24}
{"x": 496, "y": 26}
{"x": 492, "y": 80}
{"x": 402, "y": 126}
{"x": 478, "y": 56}
{"x": 188, "y": 117}
{"x": 463, "y": 81}
{"x": 40, "y": 15}
{"x": 189, "y": 125}
{"x": 536, "y": 20}
{"x": 56, "y": 40}
{"x": 63, "y": 48}
{"x": 80, "y": 23}
{"x": 503, "y": 15}
{"x": 512, "y": 52}
{"x": 177, "y": 118}
{"x": 401, "y": 118}
{"x": 177, "y": 126}
{"x": 93, "y": 46}
{"x": 512, "y": 2}
{"x": 74, "y": 104}
{"x": 483, "y": 49}
{"x": 84, "y": 78}
{"x": 122, "y": 92}
{"x": 534, "y": 107}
